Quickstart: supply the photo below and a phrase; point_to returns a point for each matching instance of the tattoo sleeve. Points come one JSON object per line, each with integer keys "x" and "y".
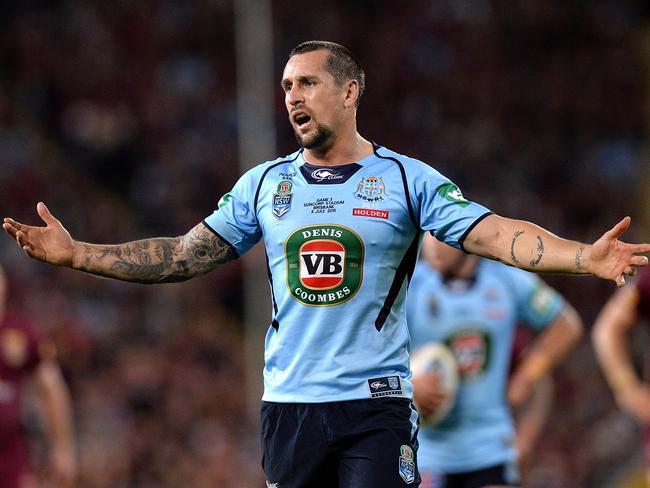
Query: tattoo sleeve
{"x": 158, "y": 260}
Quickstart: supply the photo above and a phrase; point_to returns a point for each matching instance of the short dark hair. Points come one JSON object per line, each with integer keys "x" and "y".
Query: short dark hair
{"x": 342, "y": 64}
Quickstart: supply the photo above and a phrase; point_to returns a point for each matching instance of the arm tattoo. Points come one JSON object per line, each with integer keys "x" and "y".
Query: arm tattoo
{"x": 540, "y": 252}
{"x": 579, "y": 257}
{"x": 512, "y": 246}
{"x": 161, "y": 259}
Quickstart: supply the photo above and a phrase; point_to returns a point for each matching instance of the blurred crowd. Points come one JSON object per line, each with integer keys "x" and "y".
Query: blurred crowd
{"x": 121, "y": 116}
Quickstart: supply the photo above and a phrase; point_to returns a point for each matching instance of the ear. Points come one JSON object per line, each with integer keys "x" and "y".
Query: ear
{"x": 351, "y": 93}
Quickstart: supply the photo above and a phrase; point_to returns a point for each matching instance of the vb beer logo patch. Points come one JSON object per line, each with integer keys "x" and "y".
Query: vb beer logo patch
{"x": 324, "y": 264}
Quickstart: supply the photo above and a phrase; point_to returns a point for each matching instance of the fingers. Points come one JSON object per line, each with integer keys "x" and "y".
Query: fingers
{"x": 638, "y": 248}
{"x": 620, "y": 280}
{"x": 616, "y": 231}
{"x": 44, "y": 213}
{"x": 639, "y": 260}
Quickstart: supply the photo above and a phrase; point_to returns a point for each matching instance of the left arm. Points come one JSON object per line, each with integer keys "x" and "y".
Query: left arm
{"x": 530, "y": 247}
{"x": 55, "y": 403}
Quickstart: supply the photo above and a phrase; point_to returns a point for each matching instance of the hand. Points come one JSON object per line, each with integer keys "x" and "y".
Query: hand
{"x": 520, "y": 389}
{"x": 428, "y": 393}
{"x": 635, "y": 400}
{"x": 613, "y": 259}
{"x": 51, "y": 243}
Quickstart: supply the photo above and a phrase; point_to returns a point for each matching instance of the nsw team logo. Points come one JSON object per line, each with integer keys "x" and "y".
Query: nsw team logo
{"x": 371, "y": 189}
{"x": 324, "y": 264}
{"x": 282, "y": 199}
{"x": 407, "y": 464}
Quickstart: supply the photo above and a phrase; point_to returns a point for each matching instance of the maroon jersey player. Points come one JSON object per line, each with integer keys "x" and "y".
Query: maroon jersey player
{"x": 24, "y": 358}
{"x": 627, "y": 307}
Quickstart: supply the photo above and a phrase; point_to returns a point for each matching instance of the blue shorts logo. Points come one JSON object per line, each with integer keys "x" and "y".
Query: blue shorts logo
{"x": 407, "y": 470}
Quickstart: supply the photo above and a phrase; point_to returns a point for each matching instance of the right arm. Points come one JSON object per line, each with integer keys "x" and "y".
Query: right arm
{"x": 610, "y": 337}
{"x": 155, "y": 260}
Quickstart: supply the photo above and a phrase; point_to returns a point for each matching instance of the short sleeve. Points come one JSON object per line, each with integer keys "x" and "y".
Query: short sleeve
{"x": 235, "y": 220}
{"x": 442, "y": 209}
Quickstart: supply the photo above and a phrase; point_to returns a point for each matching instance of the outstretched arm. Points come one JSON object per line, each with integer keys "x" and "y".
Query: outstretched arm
{"x": 528, "y": 246}
{"x": 156, "y": 260}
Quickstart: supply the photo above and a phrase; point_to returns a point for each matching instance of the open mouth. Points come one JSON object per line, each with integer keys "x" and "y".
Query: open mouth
{"x": 301, "y": 119}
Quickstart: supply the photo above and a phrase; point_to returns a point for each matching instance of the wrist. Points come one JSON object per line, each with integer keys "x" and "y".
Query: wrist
{"x": 75, "y": 259}
{"x": 536, "y": 366}
{"x": 583, "y": 259}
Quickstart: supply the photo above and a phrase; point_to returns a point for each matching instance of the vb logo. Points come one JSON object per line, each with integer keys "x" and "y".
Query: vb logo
{"x": 321, "y": 264}
{"x": 324, "y": 264}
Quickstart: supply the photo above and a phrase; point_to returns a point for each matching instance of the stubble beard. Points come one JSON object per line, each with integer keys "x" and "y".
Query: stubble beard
{"x": 319, "y": 141}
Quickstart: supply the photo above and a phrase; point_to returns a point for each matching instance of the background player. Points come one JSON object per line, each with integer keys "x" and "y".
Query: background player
{"x": 342, "y": 221}
{"x": 473, "y": 306}
{"x": 25, "y": 357}
{"x": 622, "y": 312}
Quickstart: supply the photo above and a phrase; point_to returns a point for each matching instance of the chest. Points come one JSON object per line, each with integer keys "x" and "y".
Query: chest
{"x": 370, "y": 208}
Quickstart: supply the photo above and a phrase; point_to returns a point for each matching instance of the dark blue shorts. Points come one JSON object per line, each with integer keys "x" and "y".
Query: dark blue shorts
{"x": 353, "y": 444}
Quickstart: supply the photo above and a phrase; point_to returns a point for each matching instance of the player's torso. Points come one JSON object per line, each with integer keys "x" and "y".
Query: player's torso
{"x": 336, "y": 240}
{"x": 330, "y": 232}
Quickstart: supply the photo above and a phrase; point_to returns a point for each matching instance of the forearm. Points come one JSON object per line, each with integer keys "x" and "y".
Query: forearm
{"x": 57, "y": 407}
{"x": 527, "y": 246}
{"x": 531, "y": 420}
{"x": 610, "y": 339}
{"x": 156, "y": 260}
{"x": 553, "y": 345}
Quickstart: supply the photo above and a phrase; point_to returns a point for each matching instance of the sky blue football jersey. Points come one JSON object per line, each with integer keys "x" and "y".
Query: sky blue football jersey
{"x": 341, "y": 244}
{"x": 477, "y": 320}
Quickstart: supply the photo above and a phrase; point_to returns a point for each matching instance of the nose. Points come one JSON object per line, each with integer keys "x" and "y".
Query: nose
{"x": 294, "y": 96}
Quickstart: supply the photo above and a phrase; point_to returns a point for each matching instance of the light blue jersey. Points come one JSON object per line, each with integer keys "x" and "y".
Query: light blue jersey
{"x": 477, "y": 320}
{"x": 341, "y": 245}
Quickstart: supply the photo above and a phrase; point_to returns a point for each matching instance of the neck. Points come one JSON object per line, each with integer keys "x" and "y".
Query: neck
{"x": 344, "y": 150}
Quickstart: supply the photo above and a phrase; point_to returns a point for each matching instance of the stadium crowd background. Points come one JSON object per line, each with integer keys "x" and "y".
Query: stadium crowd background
{"x": 121, "y": 116}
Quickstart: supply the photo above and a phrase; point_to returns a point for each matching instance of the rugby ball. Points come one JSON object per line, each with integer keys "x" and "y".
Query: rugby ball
{"x": 437, "y": 358}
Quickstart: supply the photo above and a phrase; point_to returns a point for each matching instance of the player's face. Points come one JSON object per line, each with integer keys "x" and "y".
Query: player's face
{"x": 314, "y": 101}
{"x": 442, "y": 257}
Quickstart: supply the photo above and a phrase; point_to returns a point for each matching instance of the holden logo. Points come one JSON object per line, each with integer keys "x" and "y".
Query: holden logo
{"x": 324, "y": 264}
{"x": 325, "y": 174}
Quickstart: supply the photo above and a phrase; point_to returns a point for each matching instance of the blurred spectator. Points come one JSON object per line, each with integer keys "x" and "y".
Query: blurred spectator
{"x": 27, "y": 358}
